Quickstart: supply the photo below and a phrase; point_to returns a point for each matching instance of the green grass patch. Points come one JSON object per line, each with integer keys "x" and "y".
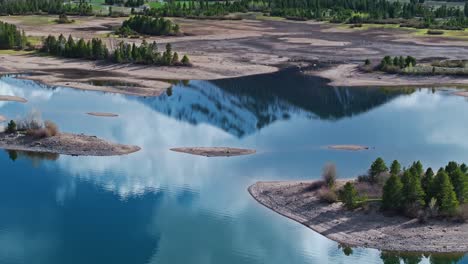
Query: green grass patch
{"x": 34, "y": 40}
{"x": 157, "y": 4}
{"x": 16, "y": 52}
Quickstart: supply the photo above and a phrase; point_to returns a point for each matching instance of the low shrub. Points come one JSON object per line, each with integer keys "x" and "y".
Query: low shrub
{"x": 435, "y": 32}
{"x": 51, "y": 128}
{"x": 327, "y": 195}
{"x": 329, "y": 175}
{"x": 11, "y": 127}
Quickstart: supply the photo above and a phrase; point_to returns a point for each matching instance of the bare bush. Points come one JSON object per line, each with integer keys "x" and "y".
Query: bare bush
{"x": 51, "y": 128}
{"x": 327, "y": 195}
{"x": 367, "y": 189}
{"x": 33, "y": 121}
{"x": 329, "y": 175}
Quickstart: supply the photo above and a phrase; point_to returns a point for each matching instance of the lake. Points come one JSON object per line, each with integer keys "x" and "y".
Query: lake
{"x": 159, "y": 206}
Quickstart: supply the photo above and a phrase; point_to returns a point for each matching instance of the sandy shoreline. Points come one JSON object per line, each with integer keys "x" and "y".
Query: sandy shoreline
{"x": 67, "y": 144}
{"x": 214, "y": 151}
{"x": 294, "y": 200}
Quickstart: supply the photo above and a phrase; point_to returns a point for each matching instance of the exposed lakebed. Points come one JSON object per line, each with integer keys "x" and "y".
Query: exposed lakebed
{"x": 175, "y": 208}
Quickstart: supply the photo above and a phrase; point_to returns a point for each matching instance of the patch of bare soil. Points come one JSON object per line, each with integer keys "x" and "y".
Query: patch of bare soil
{"x": 299, "y": 202}
{"x": 12, "y": 98}
{"x": 348, "y": 147}
{"x": 65, "y": 143}
{"x": 101, "y": 114}
{"x": 215, "y": 151}
{"x": 226, "y": 49}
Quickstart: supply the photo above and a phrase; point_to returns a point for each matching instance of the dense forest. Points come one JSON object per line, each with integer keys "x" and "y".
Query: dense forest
{"x": 411, "y": 14}
{"x": 22, "y": 7}
{"x": 156, "y": 26}
{"x": 11, "y": 37}
{"x": 95, "y": 49}
{"x": 128, "y": 3}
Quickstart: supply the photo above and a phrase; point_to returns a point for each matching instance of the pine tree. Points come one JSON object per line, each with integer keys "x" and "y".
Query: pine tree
{"x": 377, "y": 167}
{"x": 426, "y": 183}
{"x": 444, "y": 193}
{"x": 413, "y": 194}
{"x": 392, "y": 198}
{"x": 459, "y": 181}
{"x": 175, "y": 59}
{"x": 395, "y": 168}
{"x": 349, "y": 196}
{"x": 185, "y": 61}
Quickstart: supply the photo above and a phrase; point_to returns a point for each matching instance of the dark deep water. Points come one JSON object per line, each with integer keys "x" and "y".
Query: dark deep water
{"x": 157, "y": 206}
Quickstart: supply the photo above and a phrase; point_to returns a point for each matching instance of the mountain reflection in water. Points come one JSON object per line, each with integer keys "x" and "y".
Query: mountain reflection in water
{"x": 244, "y": 105}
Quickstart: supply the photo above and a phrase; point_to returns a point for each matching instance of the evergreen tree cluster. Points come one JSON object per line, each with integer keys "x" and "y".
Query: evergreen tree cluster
{"x": 413, "y": 189}
{"x": 200, "y": 8}
{"x": 396, "y": 63}
{"x": 95, "y": 49}
{"x": 25, "y": 7}
{"x": 156, "y": 26}
{"x": 128, "y": 3}
{"x": 11, "y": 37}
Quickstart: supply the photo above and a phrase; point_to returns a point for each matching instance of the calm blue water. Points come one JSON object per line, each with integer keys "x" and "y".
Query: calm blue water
{"x": 158, "y": 206}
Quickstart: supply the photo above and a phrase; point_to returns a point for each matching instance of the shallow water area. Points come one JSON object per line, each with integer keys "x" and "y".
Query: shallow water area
{"x": 159, "y": 206}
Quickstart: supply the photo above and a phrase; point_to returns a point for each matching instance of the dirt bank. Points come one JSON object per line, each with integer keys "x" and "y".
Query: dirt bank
{"x": 350, "y": 75}
{"x": 296, "y": 201}
{"x": 215, "y": 151}
{"x": 65, "y": 143}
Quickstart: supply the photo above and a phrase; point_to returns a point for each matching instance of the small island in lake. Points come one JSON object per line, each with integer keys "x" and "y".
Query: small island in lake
{"x": 33, "y": 135}
{"x": 394, "y": 210}
{"x": 215, "y": 151}
{"x": 102, "y": 114}
{"x": 348, "y": 147}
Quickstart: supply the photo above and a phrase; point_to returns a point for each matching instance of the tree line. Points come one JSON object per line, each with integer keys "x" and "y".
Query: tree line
{"x": 25, "y": 7}
{"x": 156, "y": 26}
{"x": 127, "y": 3}
{"x": 11, "y": 37}
{"x": 414, "y": 191}
{"x": 95, "y": 49}
{"x": 411, "y": 14}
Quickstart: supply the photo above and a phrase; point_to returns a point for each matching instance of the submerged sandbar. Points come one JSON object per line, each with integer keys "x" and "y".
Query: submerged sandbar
{"x": 215, "y": 151}
{"x": 300, "y": 202}
{"x": 102, "y": 114}
{"x": 65, "y": 143}
{"x": 12, "y": 98}
{"x": 348, "y": 147}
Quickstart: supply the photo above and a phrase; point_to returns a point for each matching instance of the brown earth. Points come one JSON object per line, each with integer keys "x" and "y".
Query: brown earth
{"x": 299, "y": 202}
{"x": 221, "y": 49}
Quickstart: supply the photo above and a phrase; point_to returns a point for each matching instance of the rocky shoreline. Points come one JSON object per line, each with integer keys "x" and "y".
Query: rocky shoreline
{"x": 298, "y": 201}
